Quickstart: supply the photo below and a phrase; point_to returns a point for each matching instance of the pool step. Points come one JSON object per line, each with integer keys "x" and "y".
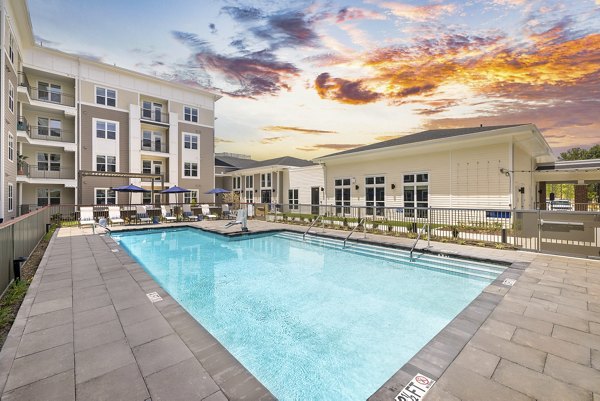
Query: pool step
{"x": 429, "y": 262}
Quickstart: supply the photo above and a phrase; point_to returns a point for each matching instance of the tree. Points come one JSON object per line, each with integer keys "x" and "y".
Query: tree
{"x": 583, "y": 154}
{"x": 574, "y": 154}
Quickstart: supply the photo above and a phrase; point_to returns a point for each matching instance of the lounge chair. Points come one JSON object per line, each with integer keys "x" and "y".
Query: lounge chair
{"x": 86, "y": 216}
{"x": 225, "y": 212}
{"x": 142, "y": 215}
{"x": 241, "y": 219}
{"x": 188, "y": 215}
{"x": 206, "y": 212}
{"x": 114, "y": 215}
{"x": 166, "y": 215}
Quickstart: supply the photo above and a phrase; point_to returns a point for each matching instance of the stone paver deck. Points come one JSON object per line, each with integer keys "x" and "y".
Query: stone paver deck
{"x": 87, "y": 331}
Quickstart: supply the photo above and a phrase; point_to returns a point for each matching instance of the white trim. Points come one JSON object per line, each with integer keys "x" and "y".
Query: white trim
{"x": 11, "y": 96}
{"x": 191, "y": 109}
{"x": 270, "y": 180}
{"x": 198, "y": 124}
{"x": 11, "y": 197}
{"x": 105, "y": 196}
{"x": 101, "y": 106}
{"x": 191, "y": 142}
{"x": 106, "y": 89}
{"x": 11, "y": 146}
{"x": 192, "y": 177}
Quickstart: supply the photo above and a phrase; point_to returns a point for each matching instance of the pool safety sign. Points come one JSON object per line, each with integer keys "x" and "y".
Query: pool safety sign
{"x": 154, "y": 297}
{"x": 416, "y": 389}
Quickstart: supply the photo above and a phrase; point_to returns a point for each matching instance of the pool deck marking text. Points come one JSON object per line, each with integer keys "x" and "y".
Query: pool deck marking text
{"x": 416, "y": 389}
{"x": 154, "y": 297}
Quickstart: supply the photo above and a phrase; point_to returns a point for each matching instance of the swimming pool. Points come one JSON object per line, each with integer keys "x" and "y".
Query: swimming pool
{"x": 310, "y": 320}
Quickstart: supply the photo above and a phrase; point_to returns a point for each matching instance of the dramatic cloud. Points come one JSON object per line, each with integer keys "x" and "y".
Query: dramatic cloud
{"x": 273, "y": 139}
{"x": 353, "y": 13}
{"x": 254, "y": 74}
{"x": 307, "y": 131}
{"x": 419, "y": 13}
{"x": 344, "y": 91}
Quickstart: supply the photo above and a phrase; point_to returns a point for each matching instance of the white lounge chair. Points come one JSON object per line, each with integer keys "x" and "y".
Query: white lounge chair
{"x": 114, "y": 215}
{"x": 241, "y": 218}
{"x": 188, "y": 214}
{"x": 86, "y": 216}
{"x": 167, "y": 215}
{"x": 142, "y": 215}
{"x": 226, "y": 213}
{"x": 206, "y": 212}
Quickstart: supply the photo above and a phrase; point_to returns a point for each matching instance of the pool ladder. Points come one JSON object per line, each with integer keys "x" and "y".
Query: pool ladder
{"x": 360, "y": 223}
{"x": 319, "y": 217}
{"x": 419, "y": 237}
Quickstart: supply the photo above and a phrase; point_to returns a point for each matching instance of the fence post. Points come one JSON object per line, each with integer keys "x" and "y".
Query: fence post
{"x": 539, "y": 241}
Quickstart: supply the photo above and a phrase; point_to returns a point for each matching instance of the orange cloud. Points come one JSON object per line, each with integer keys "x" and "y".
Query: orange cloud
{"x": 273, "y": 139}
{"x": 381, "y": 138}
{"x": 308, "y": 131}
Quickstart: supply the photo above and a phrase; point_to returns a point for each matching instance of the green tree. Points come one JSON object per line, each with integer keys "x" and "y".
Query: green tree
{"x": 574, "y": 154}
{"x": 583, "y": 154}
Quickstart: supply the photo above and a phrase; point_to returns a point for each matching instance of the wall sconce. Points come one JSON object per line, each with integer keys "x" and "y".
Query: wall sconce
{"x": 322, "y": 189}
{"x": 274, "y": 191}
{"x": 504, "y": 171}
{"x": 356, "y": 187}
{"x": 393, "y": 186}
{"x": 256, "y": 190}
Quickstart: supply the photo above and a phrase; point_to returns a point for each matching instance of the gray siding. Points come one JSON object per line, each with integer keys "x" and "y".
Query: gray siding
{"x": 207, "y": 160}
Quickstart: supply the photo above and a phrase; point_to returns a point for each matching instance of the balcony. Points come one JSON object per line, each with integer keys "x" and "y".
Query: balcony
{"x": 154, "y": 146}
{"x": 49, "y": 94}
{"x": 154, "y": 116}
{"x": 61, "y": 173}
{"x": 45, "y": 133}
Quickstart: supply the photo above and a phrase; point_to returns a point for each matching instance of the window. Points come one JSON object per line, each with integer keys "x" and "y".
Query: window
{"x": 265, "y": 180}
{"x": 146, "y": 198}
{"x": 106, "y": 129}
{"x": 152, "y": 140}
{"x": 49, "y": 127}
{"x": 237, "y": 183}
{"x": 106, "y": 163}
{"x": 152, "y": 111}
{"x": 189, "y": 197}
{"x": 190, "y": 141}
{"x": 190, "y": 169}
{"x": 375, "y": 195}
{"x": 416, "y": 194}
{"x": 293, "y": 199}
{"x": 249, "y": 181}
{"x": 49, "y": 92}
{"x": 11, "y": 97}
{"x": 11, "y": 48}
{"x": 47, "y": 196}
{"x": 48, "y": 162}
{"x": 11, "y": 198}
{"x": 106, "y": 196}
{"x": 11, "y": 147}
{"x": 152, "y": 167}
{"x": 107, "y": 97}
{"x": 342, "y": 195}
{"x": 250, "y": 196}
{"x": 190, "y": 114}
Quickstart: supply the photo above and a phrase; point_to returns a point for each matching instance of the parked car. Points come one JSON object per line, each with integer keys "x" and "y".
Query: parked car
{"x": 560, "y": 204}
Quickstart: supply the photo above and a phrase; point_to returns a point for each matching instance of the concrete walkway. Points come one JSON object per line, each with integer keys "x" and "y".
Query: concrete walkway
{"x": 87, "y": 331}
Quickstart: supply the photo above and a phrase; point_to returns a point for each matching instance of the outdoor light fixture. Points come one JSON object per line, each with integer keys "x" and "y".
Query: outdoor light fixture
{"x": 393, "y": 186}
{"x": 504, "y": 171}
{"x": 356, "y": 187}
{"x": 322, "y": 189}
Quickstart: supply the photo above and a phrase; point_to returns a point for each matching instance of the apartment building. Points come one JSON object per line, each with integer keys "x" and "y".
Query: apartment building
{"x": 72, "y": 126}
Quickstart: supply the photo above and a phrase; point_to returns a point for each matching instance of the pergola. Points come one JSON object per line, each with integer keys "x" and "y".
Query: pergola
{"x": 115, "y": 174}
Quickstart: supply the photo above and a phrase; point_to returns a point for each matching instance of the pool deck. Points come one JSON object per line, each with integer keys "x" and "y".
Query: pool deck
{"x": 87, "y": 331}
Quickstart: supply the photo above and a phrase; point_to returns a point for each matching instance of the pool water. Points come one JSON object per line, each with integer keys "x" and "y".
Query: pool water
{"x": 310, "y": 320}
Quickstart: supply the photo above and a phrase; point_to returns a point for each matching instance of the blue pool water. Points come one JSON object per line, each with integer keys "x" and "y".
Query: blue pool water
{"x": 310, "y": 320}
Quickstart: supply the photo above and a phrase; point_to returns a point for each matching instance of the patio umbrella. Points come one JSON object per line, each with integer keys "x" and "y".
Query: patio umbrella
{"x": 129, "y": 188}
{"x": 175, "y": 190}
{"x": 218, "y": 191}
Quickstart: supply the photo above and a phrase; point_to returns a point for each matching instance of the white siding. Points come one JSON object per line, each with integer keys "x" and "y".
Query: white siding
{"x": 303, "y": 179}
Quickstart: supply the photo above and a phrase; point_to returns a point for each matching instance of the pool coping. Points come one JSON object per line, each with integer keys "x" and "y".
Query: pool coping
{"x": 435, "y": 357}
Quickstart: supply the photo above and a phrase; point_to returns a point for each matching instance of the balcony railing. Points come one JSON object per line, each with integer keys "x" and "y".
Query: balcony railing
{"x": 30, "y": 171}
{"x": 155, "y": 146}
{"x": 22, "y": 124}
{"x": 51, "y": 96}
{"x": 51, "y": 134}
{"x": 154, "y": 116}
{"x": 23, "y": 81}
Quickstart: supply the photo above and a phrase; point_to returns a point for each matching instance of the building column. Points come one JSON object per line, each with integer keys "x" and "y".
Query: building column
{"x": 541, "y": 195}
{"x": 581, "y": 198}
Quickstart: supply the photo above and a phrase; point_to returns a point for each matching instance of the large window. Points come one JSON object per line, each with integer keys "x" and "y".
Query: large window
{"x": 106, "y": 196}
{"x": 47, "y": 196}
{"x": 190, "y": 141}
{"x": 342, "y": 195}
{"x": 11, "y": 198}
{"x": 153, "y": 140}
{"x": 11, "y": 97}
{"x": 11, "y": 47}
{"x": 152, "y": 167}
{"x": 249, "y": 181}
{"x": 237, "y": 183}
{"x": 106, "y": 129}
{"x": 293, "y": 199}
{"x": 189, "y": 197}
{"x": 416, "y": 194}
{"x": 190, "y": 169}
{"x": 107, "y": 97}
{"x": 11, "y": 147}
{"x": 265, "y": 180}
{"x": 48, "y": 162}
{"x": 49, "y": 127}
{"x": 106, "y": 163}
{"x": 249, "y": 195}
{"x": 375, "y": 195}
{"x": 49, "y": 92}
{"x": 190, "y": 114}
{"x": 152, "y": 111}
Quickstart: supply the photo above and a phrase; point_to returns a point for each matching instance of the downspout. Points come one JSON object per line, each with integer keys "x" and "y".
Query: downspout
{"x": 511, "y": 163}
{"x": 79, "y": 190}
{"x": 2, "y": 121}
{"x": 324, "y": 166}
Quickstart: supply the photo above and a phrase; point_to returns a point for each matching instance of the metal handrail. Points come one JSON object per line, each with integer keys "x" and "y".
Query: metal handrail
{"x": 312, "y": 224}
{"x": 361, "y": 222}
{"x": 419, "y": 237}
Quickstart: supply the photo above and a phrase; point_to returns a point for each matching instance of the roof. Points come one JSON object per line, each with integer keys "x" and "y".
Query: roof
{"x": 284, "y": 161}
{"x": 235, "y": 162}
{"x": 566, "y": 165}
{"x": 424, "y": 136}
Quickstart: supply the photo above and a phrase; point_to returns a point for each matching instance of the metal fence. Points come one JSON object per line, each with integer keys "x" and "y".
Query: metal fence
{"x": 18, "y": 238}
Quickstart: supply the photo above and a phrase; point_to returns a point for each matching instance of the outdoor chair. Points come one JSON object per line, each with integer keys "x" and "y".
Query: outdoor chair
{"x": 241, "y": 219}
{"x": 86, "y": 216}
{"x": 142, "y": 215}
{"x": 167, "y": 215}
{"x": 226, "y": 213}
{"x": 188, "y": 215}
{"x": 206, "y": 212}
{"x": 114, "y": 215}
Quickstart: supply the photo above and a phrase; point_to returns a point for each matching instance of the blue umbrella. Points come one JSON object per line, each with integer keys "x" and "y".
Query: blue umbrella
{"x": 129, "y": 188}
{"x": 175, "y": 190}
{"x": 218, "y": 191}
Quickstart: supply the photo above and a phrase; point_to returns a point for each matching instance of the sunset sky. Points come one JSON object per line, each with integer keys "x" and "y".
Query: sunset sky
{"x": 308, "y": 78}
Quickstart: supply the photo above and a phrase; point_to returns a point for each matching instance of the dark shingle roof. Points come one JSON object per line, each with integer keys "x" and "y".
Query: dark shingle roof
{"x": 423, "y": 136}
{"x": 284, "y": 161}
{"x": 235, "y": 162}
